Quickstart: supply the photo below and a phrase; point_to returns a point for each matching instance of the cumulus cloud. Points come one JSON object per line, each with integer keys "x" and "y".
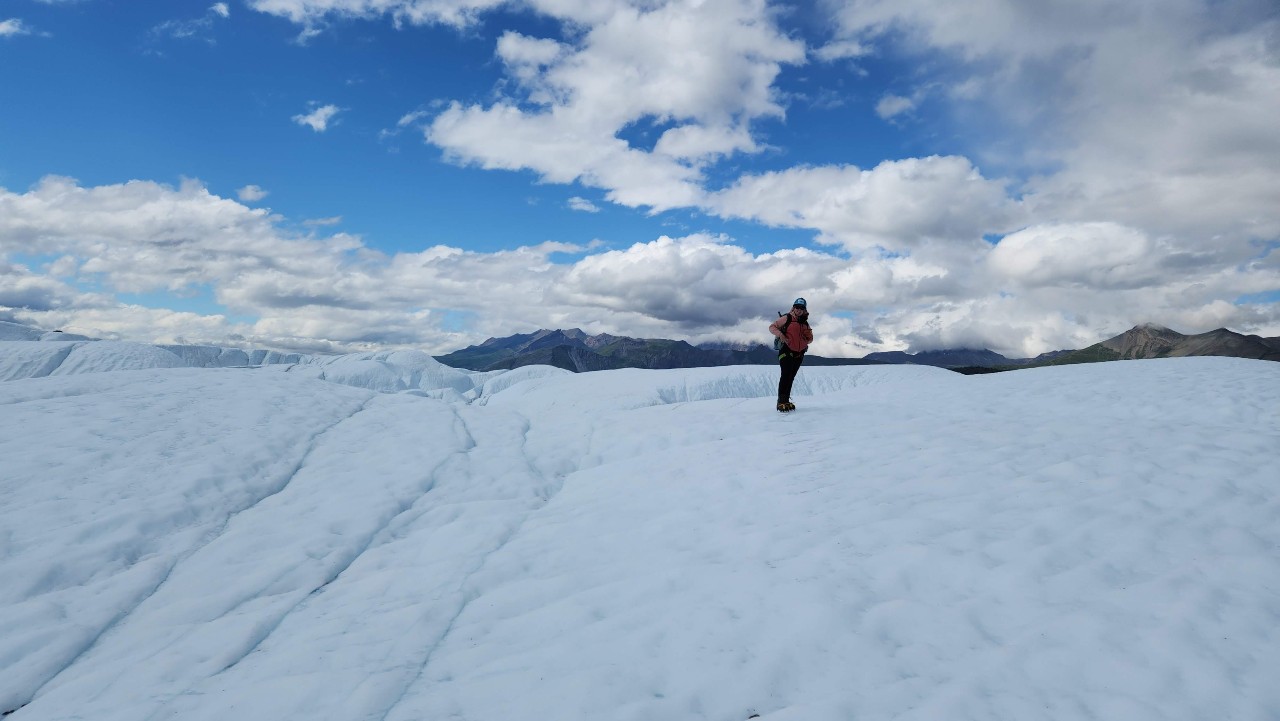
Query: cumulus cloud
{"x": 891, "y": 106}
{"x": 504, "y": 137}
{"x": 1159, "y": 205}
{"x": 698, "y": 282}
{"x": 146, "y": 237}
{"x": 898, "y": 205}
{"x": 334, "y": 292}
{"x": 1154, "y": 115}
{"x": 583, "y": 205}
{"x": 1093, "y": 255}
{"x": 143, "y": 237}
{"x": 22, "y": 288}
{"x": 251, "y": 193}
{"x": 12, "y": 27}
{"x": 319, "y": 117}
{"x": 526, "y": 57}
{"x": 1042, "y": 288}
{"x": 310, "y": 13}
{"x": 702, "y": 71}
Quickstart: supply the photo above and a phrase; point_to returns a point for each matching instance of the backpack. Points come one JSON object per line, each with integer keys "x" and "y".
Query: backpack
{"x": 777, "y": 342}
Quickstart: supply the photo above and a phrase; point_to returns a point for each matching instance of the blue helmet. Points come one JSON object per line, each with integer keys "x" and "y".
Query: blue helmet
{"x": 800, "y": 302}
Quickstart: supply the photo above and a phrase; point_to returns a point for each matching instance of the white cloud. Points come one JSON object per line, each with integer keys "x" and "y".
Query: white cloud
{"x": 197, "y": 28}
{"x": 700, "y": 143}
{"x": 12, "y": 27}
{"x": 1159, "y": 127}
{"x": 22, "y": 288}
{"x": 841, "y": 50}
{"x": 143, "y": 237}
{"x": 412, "y": 118}
{"x": 415, "y": 118}
{"x": 1046, "y": 287}
{"x": 583, "y": 205}
{"x": 891, "y": 106}
{"x": 319, "y": 117}
{"x": 701, "y": 71}
{"x": 307, "y": 34}
{"x": 1156, "y": 115}
{"x": 1192, "y": 152}
{"x": 251, "y": 193}
{"x": 1014, "y": 28}
{"x": 1094, "y": 255}
{"x": 700, "y": 282}
{"x": 323, "y": 222}
{"x": 898, "y": 205}
{"x": 458, "y": 13}
{"x": 147, "y": 237}
{"x": 563, "y": 151}
{"x": 65, "y": 267}
{"x": 526, "y": 58}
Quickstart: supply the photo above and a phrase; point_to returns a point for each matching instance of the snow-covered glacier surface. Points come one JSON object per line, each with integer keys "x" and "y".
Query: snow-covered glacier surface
{"x": 222, "y": 543}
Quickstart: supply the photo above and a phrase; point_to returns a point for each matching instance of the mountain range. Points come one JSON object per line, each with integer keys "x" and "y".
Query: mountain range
{"x": 577, "y": 351}
{"x": 1154, "y": 341}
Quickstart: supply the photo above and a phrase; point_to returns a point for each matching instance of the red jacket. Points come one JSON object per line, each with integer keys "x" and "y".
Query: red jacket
{"x": 799, "y": 335}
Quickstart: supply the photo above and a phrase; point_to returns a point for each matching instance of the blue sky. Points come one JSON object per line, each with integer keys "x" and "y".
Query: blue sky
{"x": 344, "y": 174}
{"x": 146, "y": 100}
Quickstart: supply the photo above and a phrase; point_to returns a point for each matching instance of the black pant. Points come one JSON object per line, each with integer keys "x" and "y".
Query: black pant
{"x": 790, "y": 364}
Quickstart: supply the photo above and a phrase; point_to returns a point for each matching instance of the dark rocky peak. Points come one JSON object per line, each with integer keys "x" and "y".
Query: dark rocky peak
{"x": 1144, "y": 341}
{"x": 945, "y": 358}
{"x": 1153, "y": 341}
{"x": 1226, "y": 342}
{"x": 575, "y": 335}
{"x": 550, "y": 338}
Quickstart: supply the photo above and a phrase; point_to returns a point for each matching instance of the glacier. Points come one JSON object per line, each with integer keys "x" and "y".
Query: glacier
{"x": 186, "y": 533}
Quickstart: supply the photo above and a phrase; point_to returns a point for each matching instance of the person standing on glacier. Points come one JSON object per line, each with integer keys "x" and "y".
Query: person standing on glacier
{"x": 793, "y": 338}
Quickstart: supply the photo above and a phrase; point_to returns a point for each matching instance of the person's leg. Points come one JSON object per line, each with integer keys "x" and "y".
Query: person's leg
{"x": 799, "y": 361}
{"x": 790, "y": 366}
{"x": 784, "y": 384}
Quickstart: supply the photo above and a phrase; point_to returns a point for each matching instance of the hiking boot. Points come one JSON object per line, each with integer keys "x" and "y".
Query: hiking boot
{"x": 789, "y": 406}
{"x": 783, "y": 406}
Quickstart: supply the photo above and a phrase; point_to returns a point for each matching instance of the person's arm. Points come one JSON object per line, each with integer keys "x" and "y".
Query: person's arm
{"x": 776, "y": 328}
{"x": 806, "y": 333}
